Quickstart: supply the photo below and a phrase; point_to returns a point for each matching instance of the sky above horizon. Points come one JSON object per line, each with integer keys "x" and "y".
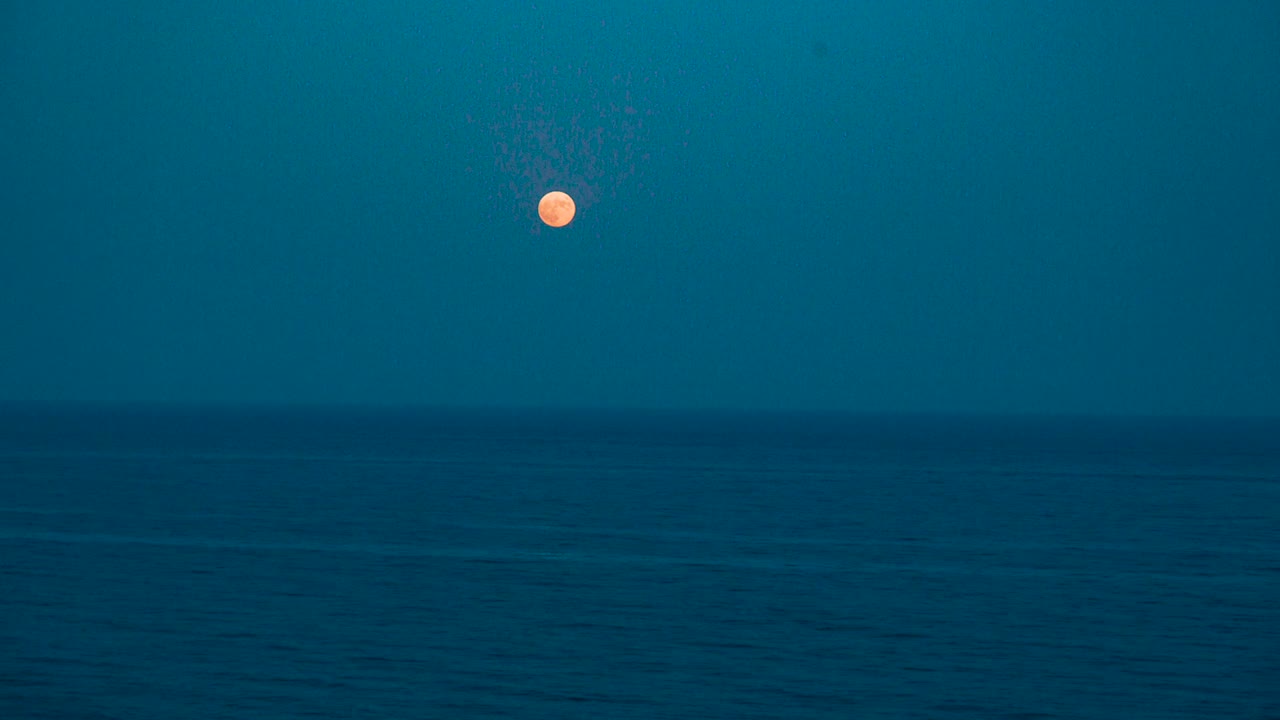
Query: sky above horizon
{"x": 873, "y": 207}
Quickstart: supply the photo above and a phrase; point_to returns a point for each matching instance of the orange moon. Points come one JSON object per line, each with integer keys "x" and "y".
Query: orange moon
{"x": 556, "y": 209}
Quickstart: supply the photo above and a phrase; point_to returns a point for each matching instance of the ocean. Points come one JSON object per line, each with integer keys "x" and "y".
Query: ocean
{"x": 379, "y": 563}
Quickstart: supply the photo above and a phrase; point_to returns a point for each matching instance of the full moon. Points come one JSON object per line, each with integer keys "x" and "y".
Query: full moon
{"x": 556, "y": 209}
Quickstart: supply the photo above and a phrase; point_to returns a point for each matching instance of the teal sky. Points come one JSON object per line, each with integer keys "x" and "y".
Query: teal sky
{"x": 1040, "y": 207}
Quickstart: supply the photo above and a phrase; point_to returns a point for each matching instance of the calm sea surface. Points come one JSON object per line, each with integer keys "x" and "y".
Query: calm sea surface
{"x": 362, "y": 564}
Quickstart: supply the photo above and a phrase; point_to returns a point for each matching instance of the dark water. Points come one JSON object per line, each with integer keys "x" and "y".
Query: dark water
{"x": 239, "y": 564}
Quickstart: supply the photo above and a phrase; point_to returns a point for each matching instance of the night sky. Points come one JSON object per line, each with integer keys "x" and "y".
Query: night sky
{"x": 1027, "y": 207}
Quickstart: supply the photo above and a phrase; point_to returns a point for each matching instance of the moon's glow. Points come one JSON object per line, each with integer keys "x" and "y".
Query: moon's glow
{"x": 556, "y": 209}
{"x": 582, "y": 129}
